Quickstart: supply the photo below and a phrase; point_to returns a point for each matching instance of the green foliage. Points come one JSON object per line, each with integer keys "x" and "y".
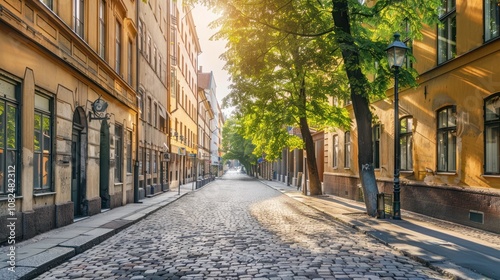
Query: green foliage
{"x": 285, "y": 62}
{"x": 235, "y": 146}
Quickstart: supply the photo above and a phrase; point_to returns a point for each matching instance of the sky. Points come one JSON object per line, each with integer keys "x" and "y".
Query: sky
{"x": 211, "y": 50}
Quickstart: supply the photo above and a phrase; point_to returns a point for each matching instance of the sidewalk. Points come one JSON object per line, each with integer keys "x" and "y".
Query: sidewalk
{"x": 37, "y": 255}
{"x": 458, "y": 251}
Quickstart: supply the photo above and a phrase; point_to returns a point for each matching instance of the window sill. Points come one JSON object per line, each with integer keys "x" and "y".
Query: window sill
{"x": 491, "y": 176}
{"x": 406, "y": 172}
{"x": 446, "y": 173}
{"x": 5, "y": 197}
{"x": 43, "y": 194}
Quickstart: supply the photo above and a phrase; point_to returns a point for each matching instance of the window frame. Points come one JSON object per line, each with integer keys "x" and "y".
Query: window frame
{"x": 447, "y": 131}
{"x": 347, "y": 150}
{"x": 45, "y": 113}
{"x": 118, "y": 152}
{"x": 102, "y": 29}
{"x": 488, "y": 11}
{"x": 448, "y": 21}
{"x": 335, "y": 152}
{"x": 376, "y": 132}
{"x": 79, "y": 18}
{"x": 11, "y": 175}
{"x": 406, "y": 137}
{"x": 493, "y": 99}
{"x": 118, "y": 47}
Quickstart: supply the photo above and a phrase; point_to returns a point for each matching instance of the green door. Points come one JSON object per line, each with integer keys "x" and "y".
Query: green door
{"x": 104, "y": 166}
{"x": 75, "y": 171}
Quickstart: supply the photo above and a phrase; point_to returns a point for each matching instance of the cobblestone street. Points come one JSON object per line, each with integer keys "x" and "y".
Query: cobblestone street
{"x": 238, "y": 228}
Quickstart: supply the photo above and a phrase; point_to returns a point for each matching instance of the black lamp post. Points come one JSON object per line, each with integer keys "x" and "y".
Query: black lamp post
{"x": 396, "y": 54}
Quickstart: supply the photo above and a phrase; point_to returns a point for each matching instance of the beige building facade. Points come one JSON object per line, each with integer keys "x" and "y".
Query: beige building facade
{"x": 67, "y": 110}
{"x": 154, "y": 151}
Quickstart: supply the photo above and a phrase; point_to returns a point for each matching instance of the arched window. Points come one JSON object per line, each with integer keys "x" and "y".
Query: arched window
{"x": 446, "y": 139}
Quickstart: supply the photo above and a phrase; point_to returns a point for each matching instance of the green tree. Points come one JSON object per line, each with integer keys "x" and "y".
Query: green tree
{"x": 292, "y": 55}
{"x": 235, "y": 146}
{"x": 282, "y": 79}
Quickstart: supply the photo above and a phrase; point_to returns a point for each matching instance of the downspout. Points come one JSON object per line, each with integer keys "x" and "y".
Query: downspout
{"x": 136, "y": 165}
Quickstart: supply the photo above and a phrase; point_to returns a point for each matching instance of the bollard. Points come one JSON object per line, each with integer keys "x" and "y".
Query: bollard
{"x": 380, "y": 206}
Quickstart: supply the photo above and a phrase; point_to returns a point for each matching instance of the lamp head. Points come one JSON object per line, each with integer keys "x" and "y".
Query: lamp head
{"x": 396, "y": 52}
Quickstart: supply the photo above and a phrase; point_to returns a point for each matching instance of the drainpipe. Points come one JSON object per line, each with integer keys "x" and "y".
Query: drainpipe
{"x": 136, "y": 165}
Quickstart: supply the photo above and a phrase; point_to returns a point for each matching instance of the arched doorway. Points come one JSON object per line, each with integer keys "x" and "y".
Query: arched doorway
{"x": 104, "y": 166}
{"x": 78, "y": 152}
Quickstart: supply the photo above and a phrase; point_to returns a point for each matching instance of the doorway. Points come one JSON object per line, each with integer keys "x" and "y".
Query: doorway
{"x": 104, "y": 166}
{"x": 78, "y": 188}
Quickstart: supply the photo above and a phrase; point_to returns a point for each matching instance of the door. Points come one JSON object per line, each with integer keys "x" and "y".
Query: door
{"x": 78, "y": 159}
{"x": 75, "y": 171}
{"x": 104, "y": 166}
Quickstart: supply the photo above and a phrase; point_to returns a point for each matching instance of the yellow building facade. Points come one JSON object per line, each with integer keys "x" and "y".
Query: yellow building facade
{"x": 184, "y": 51}
{"x": 68, "y": 110}
{"x": 449, "y": 136}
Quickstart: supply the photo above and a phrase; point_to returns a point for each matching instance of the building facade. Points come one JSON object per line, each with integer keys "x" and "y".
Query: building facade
{"x": 154, "y": 151}
{"x": 449, "y": 125}
{"x": 183, "y": 107}
{"x": 67, "y": 109}
{"x": 207, "y": 124}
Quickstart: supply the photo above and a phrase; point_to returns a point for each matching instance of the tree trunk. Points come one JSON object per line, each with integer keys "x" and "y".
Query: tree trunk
{"x": 360, "y": 102}
{"x": 312, "y": 167}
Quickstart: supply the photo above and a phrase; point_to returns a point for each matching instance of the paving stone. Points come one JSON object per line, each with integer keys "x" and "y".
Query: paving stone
{"x": 240, "y": 230}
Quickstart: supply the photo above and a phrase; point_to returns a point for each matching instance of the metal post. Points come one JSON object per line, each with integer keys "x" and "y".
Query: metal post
{"x": 397, "y": 150}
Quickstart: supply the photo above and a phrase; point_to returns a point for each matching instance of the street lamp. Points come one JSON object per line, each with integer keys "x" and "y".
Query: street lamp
{"x": 396, "y": 54}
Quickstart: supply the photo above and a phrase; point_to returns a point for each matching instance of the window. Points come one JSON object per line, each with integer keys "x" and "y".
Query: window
{"x": 118, "y": 48}
{"x": 78, "y": 17}
{"x": 140, "y": 104}
{"x": 129, "y": 151}
{"x": 42, "y": 158}
{"x": 446, "y": 139}
{"x": 491, "y": 19}
{"x": 155, "y": 115}
{"x": 335, "y": 160}
{"x": 148, "y": 171}
{"x": 406, "y": 143}
{"x": 376, "y": 145}
{"x": 129, "y": 62}
{"x": 447, "y": 31}
{"x": 492, "y": 135}
{"x": 148, "y": 56}
{"x": 149, "y": 109}
{"x": 102, "y": 29}
{"x": 155, "y": 158}
{"x": 9, "y": 143}
{"x": 140, "y": 36}
{"x": 347, "y": 150}
{"x": 48, "y": 3}
{"x": 118, "y": 152}
{"x": 141, "y": 159}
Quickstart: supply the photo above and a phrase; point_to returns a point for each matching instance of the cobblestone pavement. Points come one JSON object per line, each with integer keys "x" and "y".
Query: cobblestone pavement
{"x": 237, "y": 228}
